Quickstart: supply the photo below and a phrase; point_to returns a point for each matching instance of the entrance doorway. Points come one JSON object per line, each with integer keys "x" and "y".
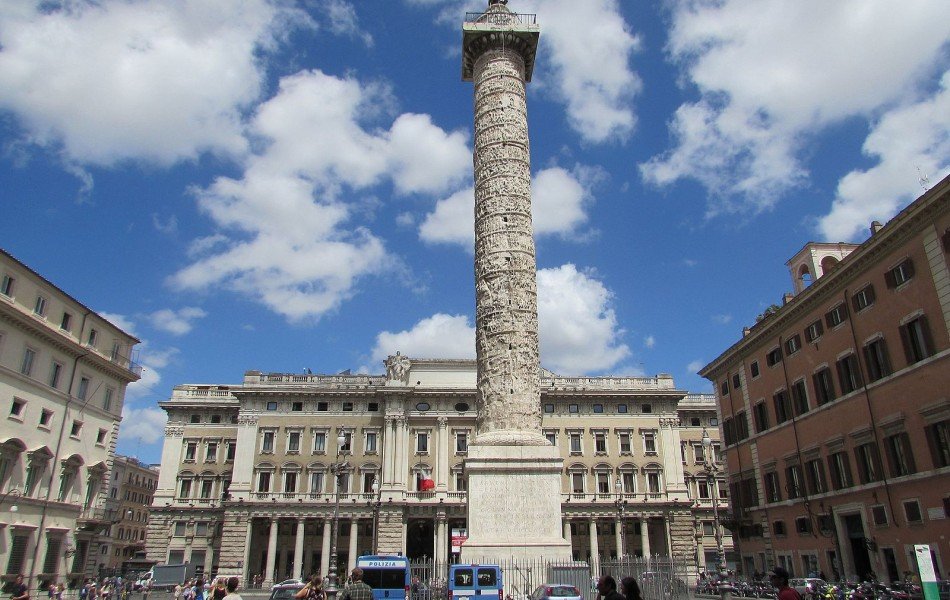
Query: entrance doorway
{"x": 858, "y": 544}
{"x": 420, "y": 538}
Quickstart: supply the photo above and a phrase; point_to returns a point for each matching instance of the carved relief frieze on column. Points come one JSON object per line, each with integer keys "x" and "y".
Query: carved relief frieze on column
{"x": 173, "y": 431}
{"x": 247, "y": 420}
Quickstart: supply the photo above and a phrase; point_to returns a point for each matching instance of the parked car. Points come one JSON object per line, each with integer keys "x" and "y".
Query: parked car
{"x": 548, "y": 591}
{"x": 285, "y": 591}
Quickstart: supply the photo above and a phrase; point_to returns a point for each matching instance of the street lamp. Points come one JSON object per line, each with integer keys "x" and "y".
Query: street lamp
{"x": 16, "y": 493}
{"x": 712, "y": 470}
{"x": 375, "y": 505}
{"x": 338, "y": 469}
{"x": 621, "y": 506}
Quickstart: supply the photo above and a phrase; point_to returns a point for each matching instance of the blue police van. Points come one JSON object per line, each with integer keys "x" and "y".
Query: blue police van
{"x": 475, "y": 582}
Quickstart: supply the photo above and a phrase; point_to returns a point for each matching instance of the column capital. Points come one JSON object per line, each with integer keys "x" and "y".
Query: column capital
{"x": 442, "y": 421}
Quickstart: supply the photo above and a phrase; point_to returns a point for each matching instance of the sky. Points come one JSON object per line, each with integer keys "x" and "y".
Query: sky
{"x": 282, "y": 186}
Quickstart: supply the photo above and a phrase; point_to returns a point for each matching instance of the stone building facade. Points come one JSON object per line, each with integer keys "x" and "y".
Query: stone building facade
{"x": 835, "y": 411}
{"x": 132, "y": 485}
{"x": 245, "y": 471}
{"x": 63, "y": 375}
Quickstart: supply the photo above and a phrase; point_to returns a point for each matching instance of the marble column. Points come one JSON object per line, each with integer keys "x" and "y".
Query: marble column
{"x": 271, "y": 553}
{"x": 567, "y": 530}
{"x": 618, "y": 537}
{"x": 594, "y": 547}
{"x": 245, "y": 563}
{"x": 354, "y": 538}
{"x": 441, "y": 538}
{"x": 325, "y": 550}
{"x": 645, "y": 536}
{"x": 669, "y": 537}
{"x": 389, "y": 464}
{"x": 442, "y": 455}
{"x": 298, "y": 549}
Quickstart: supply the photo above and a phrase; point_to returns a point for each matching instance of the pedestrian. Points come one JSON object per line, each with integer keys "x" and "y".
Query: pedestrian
{"x": 779, "y": 579}
{"x": 60, "y": 591}
{"x": 607, "y": 589}
{"x": 220, "y": 590}
{"x": 19, "y": 591}
{"x": 313, "y": 590}
{"x": 357, "y": 590}
{"x": 231, "y": 585}
{"x": 200, "y": 589}
{"x": 630, "y": 589}
{"x": 146, "y": 589}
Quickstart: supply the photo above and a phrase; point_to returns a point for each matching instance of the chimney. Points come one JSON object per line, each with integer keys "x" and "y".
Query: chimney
{"x": 787, "y": 297}
{"x": 746, "y": 331}
{"x": 876, "y": 226}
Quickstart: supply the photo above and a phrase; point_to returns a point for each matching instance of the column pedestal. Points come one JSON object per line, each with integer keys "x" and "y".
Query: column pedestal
{"x": 514, "y": 504}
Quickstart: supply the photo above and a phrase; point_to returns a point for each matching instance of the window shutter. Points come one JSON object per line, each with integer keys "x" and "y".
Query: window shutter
{"x": 905, "y": 341}
{"x": 930, "y": 350}
{"x": 870, "y": 294}
{"x": 828, "y": 320}
{"x": 909, "y": 268}
{"x": 890, "y": 279}
{"x": 819, "y": 327}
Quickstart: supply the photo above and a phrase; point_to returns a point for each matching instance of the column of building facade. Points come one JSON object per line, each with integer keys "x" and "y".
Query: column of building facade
{"x": 354, "y": 534}
{"x": 243, "y": 473}
{"x": 298, "y": 548}
{"x": 618, "y": 536}
{"x": 672, "y": 462}
{"x": 567, "y": 530}
{"x": 645, "y": 536}
{"x": 245, "y": 566}
{"x": 389, "y": 451}
{"x": 325, "y": 551}
{"x": 441, "y": 536}
{"x": 442, "y": 456}
{"x": 271, "y": 553}
{"x": 594, "y": 549}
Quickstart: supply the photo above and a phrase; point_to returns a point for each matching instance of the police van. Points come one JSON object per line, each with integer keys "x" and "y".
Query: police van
{"x": 475, "y": 582}
{"x": 387, "y": 575}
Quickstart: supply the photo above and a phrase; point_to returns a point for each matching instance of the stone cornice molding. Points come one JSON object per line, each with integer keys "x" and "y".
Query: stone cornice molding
{"x": 173, "y": 431}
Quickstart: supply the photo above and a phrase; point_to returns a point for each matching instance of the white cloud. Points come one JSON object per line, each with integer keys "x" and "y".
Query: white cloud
{"x": 120, "y": 321}
{"x": 722, "y": 319}
{"x": 591, "y": 72}
{"x": 771, "y": 76}
{"x": 438, "y": 336}
{"x": 649, "y": 341}
{"x": 578, "y": 329}
{"x": 144, "y": 424}
{"x": 915, "y": 135}
{"x": 152, "y": 360}
{"x": 695, "y": 366}
{"x": 177, "y": 322}
{"x": 344, "y": 21}
{"x": 292, "y": 243}
{"x": 116, "y": 80}
{"x": 689, "y": 262}
{"x": 169, "y": 226}
{"x": 559, "y": 199}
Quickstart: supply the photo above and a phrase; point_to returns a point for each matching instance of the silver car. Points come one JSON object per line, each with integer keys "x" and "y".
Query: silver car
{"x": 558, "y": 591}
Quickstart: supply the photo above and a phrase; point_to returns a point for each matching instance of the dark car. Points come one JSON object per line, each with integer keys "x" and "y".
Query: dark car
{"x": 560, "y": 591}
{"x": 285, "y": 591}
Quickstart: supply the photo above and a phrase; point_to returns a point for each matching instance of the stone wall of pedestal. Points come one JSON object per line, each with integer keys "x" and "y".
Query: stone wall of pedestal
{"x": 233, "y": 545}
{"x": 682, "y": 534}
{"x": 389, "y": 539}
{"x": 157, "y": 536}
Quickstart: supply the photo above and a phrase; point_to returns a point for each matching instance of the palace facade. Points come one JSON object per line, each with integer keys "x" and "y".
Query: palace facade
{"x": 247, "y": 483}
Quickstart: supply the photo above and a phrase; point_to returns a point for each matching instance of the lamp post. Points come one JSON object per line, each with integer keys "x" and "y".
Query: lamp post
{"x": 16, "y": 493}
{"x": 621, "y": 506}
{"x": 375, "y": 504}
{"x": 338, "y": 468}
{"x": 712, "y": 470}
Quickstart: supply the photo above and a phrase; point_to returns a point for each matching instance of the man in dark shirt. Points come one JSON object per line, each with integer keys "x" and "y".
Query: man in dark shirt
{"x": 19, "y": 591}
{"x": 779, "y": 578}
{"x": 357, "y": 590}
{"x": 607, "y": 589}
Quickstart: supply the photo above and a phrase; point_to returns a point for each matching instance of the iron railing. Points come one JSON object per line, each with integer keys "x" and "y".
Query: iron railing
{"x": 501, "y": 18}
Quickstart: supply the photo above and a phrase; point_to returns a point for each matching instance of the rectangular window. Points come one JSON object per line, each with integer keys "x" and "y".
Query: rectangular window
{"x": 814, "y": 331}
{"x": 736, "y": 381}
{"x": 702, "y": 486}
{"x": 600, "y": 443}
{"x": 39, "y": 308}
{"x": 549, "y": 408}
{"x": 179, "y": 529}
{"x": 803, "y": 525}
{"x": 323, "y": 406}
{"x": 347, "y": 407}
{"x": 938, "y": 438}
{"x": 918, "y": 344}
{"x": 799, "y": 397}
{"x": 760, "y": 417}
{"x": 16, "y": 409}
{"x": 206, "y": 485}
{"x": 211, "y": 452}
{"x": 849, "y": 374}
{"x": 824, "y": 386}
{"x": 625, "y": 447}
{"x": 836, "y": 316}
{"x": 622, "y": 409}
{"x": 107, "y": 399}
{"x": 912, "y": 511}
{"x": 840, "y": 468}
{"x": 76, "y": 429}
{"x": 29, "y": 357}
{"x": 653, "y": 482}
{"x": 272, "y": 406}
{"x": 900, "y": 457}
{"x": 215, "y": 418}
{"x": 66, "y": 321}
{"x": 573, "y": 408}
{"x": 83, "y": 388}
{"x": 267, "y": 442}
{"x": 45, "y": 418}
{"x": 879, "y": 515}
{"x": 461, "y": 442}
{"x": 598, "y": 408}
{"x": 263, "y": 481}
{"x": 296, "y": 406}
{"x": 460, "y": 482}
{"x": 863, "y": 298}
{"x": 773, "y": 491}
{"x": 422, "y": 442}
{"x": 185, "y": 489}
{"x": 101, "y": 437}
{"x": 793, "y": 344}
{"x": 92, "y": 338}
{"x": 577, "y": 483}
{"x": 551, "y": 438}
{"x": 699, "y": 454}
{"x": 877, "y": 359}
{"x": 724, "y": 388}
{"x": 816, "y": 476}
{"x": 754, "y": 369}
{"x": 742, "y": 426}
{"x": 793, "y": 483}
{"x": 316, "y": 482}
{"x": 370, "y": 442}
{"x": 6, "y": 288}
{"x": 290, "y": 482}
{"x": 114, "y": 355}
{"x": 774, "y": 357}
{"x": 576, "y": 443}
{"x": 319, "y": 442}
{"x": 900, "y": 274}
{"x": 869, "y": 462}
{"x": 649, "y": 443}
{"x": 201, "y": 529}
{"x": 230, "y": 450}
{"x": 783, "y": 408}
{"x": 191, "y": 449}
{"x": 293, "y": 442}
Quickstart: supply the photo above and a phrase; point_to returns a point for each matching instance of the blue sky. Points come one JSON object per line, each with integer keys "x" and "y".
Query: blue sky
{"x": 282, "y": 186}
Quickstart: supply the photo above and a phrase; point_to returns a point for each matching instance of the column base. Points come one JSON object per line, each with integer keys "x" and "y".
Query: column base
{"x": 514, "y": 504}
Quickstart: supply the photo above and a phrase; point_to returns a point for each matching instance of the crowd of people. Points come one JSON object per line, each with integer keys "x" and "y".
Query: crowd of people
{"x": 199, "y": 589}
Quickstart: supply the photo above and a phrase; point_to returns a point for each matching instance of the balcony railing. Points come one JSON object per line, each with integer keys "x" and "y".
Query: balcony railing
{"x": 501, "y": 18}
{"x": 604, "y": 497}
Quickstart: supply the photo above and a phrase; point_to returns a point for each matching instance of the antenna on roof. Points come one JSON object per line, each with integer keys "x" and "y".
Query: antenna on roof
{"x": 923, "y": 180}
